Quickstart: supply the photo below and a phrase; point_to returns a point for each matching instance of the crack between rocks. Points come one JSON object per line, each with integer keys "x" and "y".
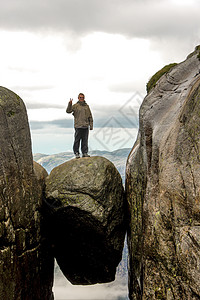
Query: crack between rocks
{"x": 29, "y": 251}
{"x": 195, "y": 242}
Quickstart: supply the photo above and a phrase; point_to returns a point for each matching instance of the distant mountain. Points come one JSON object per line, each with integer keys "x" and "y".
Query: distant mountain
{"x": 117, "y": 157}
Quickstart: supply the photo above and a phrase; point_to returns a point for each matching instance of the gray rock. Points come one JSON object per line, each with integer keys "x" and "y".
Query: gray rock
{"x": 25, "y": 272}
{"x": 87, "y": 224}
{"x": 163, "y": 187}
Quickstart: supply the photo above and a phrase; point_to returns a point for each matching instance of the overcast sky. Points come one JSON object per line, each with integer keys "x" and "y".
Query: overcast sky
{"x": 108, "y": 49}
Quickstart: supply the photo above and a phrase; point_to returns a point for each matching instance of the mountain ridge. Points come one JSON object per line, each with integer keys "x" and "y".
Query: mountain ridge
{"x": 117, "y": 157}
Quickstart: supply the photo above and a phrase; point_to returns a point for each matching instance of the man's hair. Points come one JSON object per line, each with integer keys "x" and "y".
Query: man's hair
{"x": 81, "y": 94}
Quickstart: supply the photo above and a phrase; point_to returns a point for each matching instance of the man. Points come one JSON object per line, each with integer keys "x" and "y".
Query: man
{"x": 82, "y": 122}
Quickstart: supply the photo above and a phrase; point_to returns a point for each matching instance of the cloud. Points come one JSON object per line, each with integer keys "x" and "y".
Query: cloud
{"x": 33, "y": 88}
{"x": 63, "y": 123}
{"x": 115, "y": 116}
{"x": 98, "y": 292}
{"x": 22, "y": 69}
{"x": 41, "y": 105}
{"x": 63, "y": 289}
{"x": 126, "y": 87}
{"x": 143, "y": 18}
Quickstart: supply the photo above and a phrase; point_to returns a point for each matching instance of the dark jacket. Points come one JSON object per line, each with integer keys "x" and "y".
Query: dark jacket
{"x": 82, "y": 114}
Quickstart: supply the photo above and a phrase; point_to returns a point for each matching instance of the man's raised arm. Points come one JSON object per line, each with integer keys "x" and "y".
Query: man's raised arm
{"x": 69, "y": 107}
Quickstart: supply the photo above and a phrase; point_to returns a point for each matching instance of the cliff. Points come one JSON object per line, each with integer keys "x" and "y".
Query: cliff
{"x": 26, "y": 264}
{"x": 163, "y": 189}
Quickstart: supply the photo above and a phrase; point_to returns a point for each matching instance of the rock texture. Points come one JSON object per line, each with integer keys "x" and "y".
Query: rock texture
{"x": 41, "y": 174}
{"x": 163, "y": 189}
{"x": 87, "y": 227}
{"x": 26, "y": 267}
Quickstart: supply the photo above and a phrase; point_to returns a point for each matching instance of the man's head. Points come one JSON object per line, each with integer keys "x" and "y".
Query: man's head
{"x": 81, "y": 97}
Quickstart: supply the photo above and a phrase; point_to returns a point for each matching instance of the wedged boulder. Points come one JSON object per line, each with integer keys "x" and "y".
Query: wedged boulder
{"x": 87, "y": 225}
{"x": 25, "y": 272}
{"x": 163, "y": 189}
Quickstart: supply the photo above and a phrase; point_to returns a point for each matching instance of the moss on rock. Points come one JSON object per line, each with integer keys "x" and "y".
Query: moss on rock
{"x": 153, "y": 80}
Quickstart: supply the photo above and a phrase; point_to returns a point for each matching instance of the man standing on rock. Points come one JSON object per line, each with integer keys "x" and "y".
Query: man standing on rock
{"x": 82, "y": 122}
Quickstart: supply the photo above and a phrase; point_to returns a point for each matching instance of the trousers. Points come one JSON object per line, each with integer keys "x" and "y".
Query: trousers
{"x": 81, "y": 135}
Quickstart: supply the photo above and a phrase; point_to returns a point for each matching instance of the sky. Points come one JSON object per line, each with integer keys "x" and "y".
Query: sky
{"x": 107, "y": 49}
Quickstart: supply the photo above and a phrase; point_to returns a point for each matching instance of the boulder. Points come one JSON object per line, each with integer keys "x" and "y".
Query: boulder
{"x": 26, "y": 267}
{"x": 163, "y": 189}
{"x": 41, "y": 174}
{"x": 85, "y": 198}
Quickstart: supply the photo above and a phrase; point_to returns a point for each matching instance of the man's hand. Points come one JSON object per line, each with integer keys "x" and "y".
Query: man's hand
{"x": 91, "y": 128}
{"x": 71, "y": 99}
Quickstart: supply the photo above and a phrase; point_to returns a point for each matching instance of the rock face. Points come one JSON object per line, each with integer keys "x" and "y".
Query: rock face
{"x": 87, "y": 227}
{"x": 163, "y": 189}
{"x": 40, "y": 173}
{"x": 26, "y": 267}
